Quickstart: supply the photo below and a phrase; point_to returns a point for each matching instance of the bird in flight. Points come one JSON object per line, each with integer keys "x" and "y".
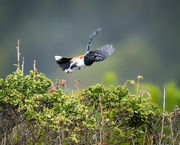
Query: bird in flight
{"x": 69, "y": 64}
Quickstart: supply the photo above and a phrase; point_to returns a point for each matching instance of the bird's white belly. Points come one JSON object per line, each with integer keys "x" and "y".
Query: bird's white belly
{"x": 79, "y": 62}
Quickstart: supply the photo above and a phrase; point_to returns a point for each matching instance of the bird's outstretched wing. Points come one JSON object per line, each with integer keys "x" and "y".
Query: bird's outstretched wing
{"x": 103, "y": 52}
{"x": 92, "y": 38}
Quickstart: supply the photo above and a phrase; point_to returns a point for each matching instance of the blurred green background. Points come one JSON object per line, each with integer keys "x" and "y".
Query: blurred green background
{"x": 146, "y": 35}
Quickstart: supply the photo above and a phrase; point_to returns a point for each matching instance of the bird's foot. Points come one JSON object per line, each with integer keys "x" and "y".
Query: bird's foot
{"x": 68, "y": 70}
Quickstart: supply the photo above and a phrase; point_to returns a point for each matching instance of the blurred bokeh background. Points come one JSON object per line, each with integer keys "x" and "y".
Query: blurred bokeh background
{"x": 146, "y": 35}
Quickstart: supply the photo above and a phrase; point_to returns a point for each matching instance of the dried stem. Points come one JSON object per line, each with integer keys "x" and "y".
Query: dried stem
{"x": 139, "y": 78}
{"x": 102, "y": 121}
{"x": 34, "y": 65}
{"x": 5, "y": 138}
{"x": 151, "y": 137}
{"x": 137, "y": 87}
{"x": 163, "y": 115}
{"x": 62, "y": 134}
{"x": 18, "y": 55}
{"x": 22, "y": 65}
{"x": 164, "y": 99}
{"x": 171, "y": 130}
{"x": 145, "y": 135}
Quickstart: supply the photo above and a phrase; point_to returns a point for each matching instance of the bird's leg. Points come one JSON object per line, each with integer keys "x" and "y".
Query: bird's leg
{"x": 72, "y": 65}
{"x": 68, "y": 70}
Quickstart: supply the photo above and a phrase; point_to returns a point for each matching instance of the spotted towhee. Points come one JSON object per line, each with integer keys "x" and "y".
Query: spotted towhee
{"x": 70, "y": 64}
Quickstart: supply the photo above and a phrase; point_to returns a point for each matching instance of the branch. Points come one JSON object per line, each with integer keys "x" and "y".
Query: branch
{"x": 22, "y": 65}
{"x": 18, "y": 55}
{"x": 163, "y": 116}
{"x": 34, "y": 65}
{"x": 102, "y": 121}
{"x": 171, "y": 130}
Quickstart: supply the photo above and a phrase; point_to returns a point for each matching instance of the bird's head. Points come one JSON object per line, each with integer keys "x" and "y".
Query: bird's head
{"x": 97, "y": 57}
{"x": 91, "y": 57}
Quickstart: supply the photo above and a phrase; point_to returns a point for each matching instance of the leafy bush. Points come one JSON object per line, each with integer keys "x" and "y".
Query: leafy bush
{"x": 34, "y": 111}
{"x": 126, "y": 116}
{"x": 29, "y": 99}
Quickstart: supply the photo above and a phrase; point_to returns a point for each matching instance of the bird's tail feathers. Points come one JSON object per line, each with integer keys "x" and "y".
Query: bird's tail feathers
{"x": 63, "y": 62}
{"x": 60, "y": 59}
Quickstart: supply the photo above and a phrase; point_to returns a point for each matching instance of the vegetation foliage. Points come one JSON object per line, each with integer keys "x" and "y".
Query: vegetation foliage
{"x": 34, "y": 111}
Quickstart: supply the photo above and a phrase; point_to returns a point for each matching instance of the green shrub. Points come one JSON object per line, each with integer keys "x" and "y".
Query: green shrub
{"x": 29, "y": 96}
{"x": 34, "y": 111}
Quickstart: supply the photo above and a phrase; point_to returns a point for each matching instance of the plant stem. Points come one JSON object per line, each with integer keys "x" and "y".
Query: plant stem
{"x": 62, "y": 134}
{"x": 22, "y": 65}
{"x": 102, "y": 140}
{"x": 163, "y": 115}
{"x": 34, "y": 65}
{"x": 137, "y": 87}
{"x": 18, "y": 55}
{"x": 144, "y": 136}
{"x": 171, "y": 130}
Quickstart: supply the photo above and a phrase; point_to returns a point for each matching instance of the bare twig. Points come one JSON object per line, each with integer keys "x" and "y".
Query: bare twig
{"x": 164, "y": 99}
{"x": 62, "y": 134}
{"x": 18, "y": 55}
{"x": 102, "y": 121}
{"x": 4, "y": 138}
{"x": 177, "y": 140}
{"x": 35, "y": 69}
{"x": 2, "y": 141}
{"x": 22, "y": 65}
{"x": 139, "y": 78}
{"x": 149, "y": 140}
{"x": 163, "y": 116}
{"x": 151, "y": 137}
{"x": 171, "y": 130}
{"x": 145, "y": 135}
{"x": 34, "y": 65}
